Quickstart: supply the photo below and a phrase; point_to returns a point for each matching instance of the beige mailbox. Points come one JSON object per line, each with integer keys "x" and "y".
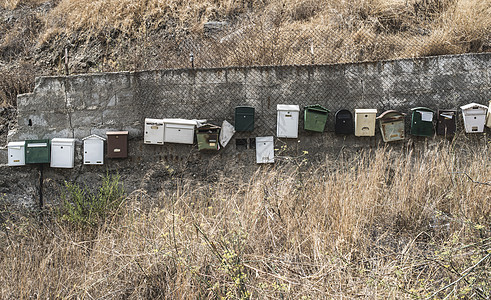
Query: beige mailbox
{"x": 180, "y": 131}
{"x": 365, "y": 122}
{"x": 154, "y": 131}
{"x": 474, "y": 115}
{"x": 16, "y": 152}
{"x": 62, "y": 153}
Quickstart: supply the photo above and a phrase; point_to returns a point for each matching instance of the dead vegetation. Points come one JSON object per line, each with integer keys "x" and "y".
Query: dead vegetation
{"x": 377, "y": 225}
{"x": 119, "y": 35}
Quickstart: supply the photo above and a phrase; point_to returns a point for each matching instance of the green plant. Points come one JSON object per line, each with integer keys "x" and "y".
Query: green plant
{"x": 83, "y": 207}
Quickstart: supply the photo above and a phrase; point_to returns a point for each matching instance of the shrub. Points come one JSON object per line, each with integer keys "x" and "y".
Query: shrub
{"x": 82, "y": 207}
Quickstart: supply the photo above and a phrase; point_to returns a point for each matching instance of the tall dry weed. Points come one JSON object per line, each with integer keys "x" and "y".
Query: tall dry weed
{"x": 381, "y": 224}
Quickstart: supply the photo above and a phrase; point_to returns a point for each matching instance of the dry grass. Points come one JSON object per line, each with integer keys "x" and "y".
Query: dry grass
{"x": 378, "y": 225}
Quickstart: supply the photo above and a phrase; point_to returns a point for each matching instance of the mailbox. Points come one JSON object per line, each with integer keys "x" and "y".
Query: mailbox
{"x": 17, "y": 154}
{"x": 207, "y": 136}
{"x": 392, "y": 125}
{"x": 154, "y": 131}
{"x": 422, "y": 121}
{"x": 488, "y": 123}
{"x": 62, "y": 153}
{"x": 117, "y": 144}
{"x": 37, "y": 151}
{"x": 446, "y": 122}
{"x": 287, "y": 121}
{"x": 93, "y": 150}
{"x": 264, "y": 150}
{"x": 244, "y": 118}
{"x": 474, "y": 117}
{"x": 365, "y": 122}
{"x": 180, "y": 131}
{"x": 315, "y": 117}
{"x": 343, "y": 122}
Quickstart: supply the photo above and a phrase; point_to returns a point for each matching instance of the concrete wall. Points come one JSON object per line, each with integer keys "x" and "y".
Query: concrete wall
{"x": 77, "y": 106}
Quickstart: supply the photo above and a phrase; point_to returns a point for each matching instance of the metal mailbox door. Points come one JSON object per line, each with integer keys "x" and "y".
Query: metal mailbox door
{"x": 16, "y": 153}
{"x": 446, "y": 122}
{"x": 344, "y": 122}
{"x": 264, "y": 150}
{"x": 422, "y": 121}
{"x": 365, "y": 122}
{"x": 244, "y": 118}
{"x": 315, "y": 118}
{"x": 474, "y": 116}
{"x": 94, "y": 151}
{"x": 154, "y": 131}
{"x": 287, "y": 121}
{"x": 180, "y": 131}
{"x": 392, "y": 126}
{"x": 37, "y": 151}
{"x": 117, "y": 144}
{"x": 62, "y": 153}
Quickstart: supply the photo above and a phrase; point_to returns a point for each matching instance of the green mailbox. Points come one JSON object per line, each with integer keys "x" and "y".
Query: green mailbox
{"x": 422, "y": 121}
{"x": 244, "y": 118}
{"x": 38, "y": 151}
{"x": 315, "y": 117}
{"x": 207, "y": 136}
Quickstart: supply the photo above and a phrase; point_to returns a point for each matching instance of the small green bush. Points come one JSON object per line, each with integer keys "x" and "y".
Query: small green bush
{"x": 82, "y": 207}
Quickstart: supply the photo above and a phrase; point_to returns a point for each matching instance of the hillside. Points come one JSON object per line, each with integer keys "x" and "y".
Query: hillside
{"x": 118, "y": 35}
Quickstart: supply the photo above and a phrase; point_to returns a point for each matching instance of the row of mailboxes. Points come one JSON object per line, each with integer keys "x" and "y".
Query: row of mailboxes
{"x": 60, "y": 152}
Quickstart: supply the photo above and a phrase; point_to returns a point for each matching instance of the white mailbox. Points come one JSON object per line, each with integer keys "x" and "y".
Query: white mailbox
{"x": 474, "y": 117}
{"x": 179, "y": 131}
{"x": 287, "y": 121}
{"x": 93, "y": 150}
{"x": 62, "y": 153}
{"x": 264, "y": 150}
{"x": 17, "y": 154}
{"x": 154, "y": 131}
{"x": 365, "y": 122}
{"x": 489, "y": 115}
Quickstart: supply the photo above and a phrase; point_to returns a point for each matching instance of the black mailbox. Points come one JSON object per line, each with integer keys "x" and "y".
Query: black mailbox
{"x": 446, "y": 124}
{"x": 344, "y": 122}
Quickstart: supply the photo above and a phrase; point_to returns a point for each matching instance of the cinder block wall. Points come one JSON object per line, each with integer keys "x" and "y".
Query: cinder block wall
{"x": 80, "y": 105}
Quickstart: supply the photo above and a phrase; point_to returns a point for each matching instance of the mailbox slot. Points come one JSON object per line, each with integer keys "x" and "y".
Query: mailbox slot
{"x": 287, "y": 121}
{"x": 16, "y": 153}
{"x": 117, "y": 144}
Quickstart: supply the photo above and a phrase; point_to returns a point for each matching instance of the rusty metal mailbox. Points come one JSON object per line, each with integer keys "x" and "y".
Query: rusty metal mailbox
{"x": 207, "y": 136}
{"x": 315, "y": 117}
{"x": 117, "y": 144}
{"x": 343, "y": 122}
{"x": 392, "y": 125}
{"x": 422, "y": 121}
{"x": 446, "y": 122}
